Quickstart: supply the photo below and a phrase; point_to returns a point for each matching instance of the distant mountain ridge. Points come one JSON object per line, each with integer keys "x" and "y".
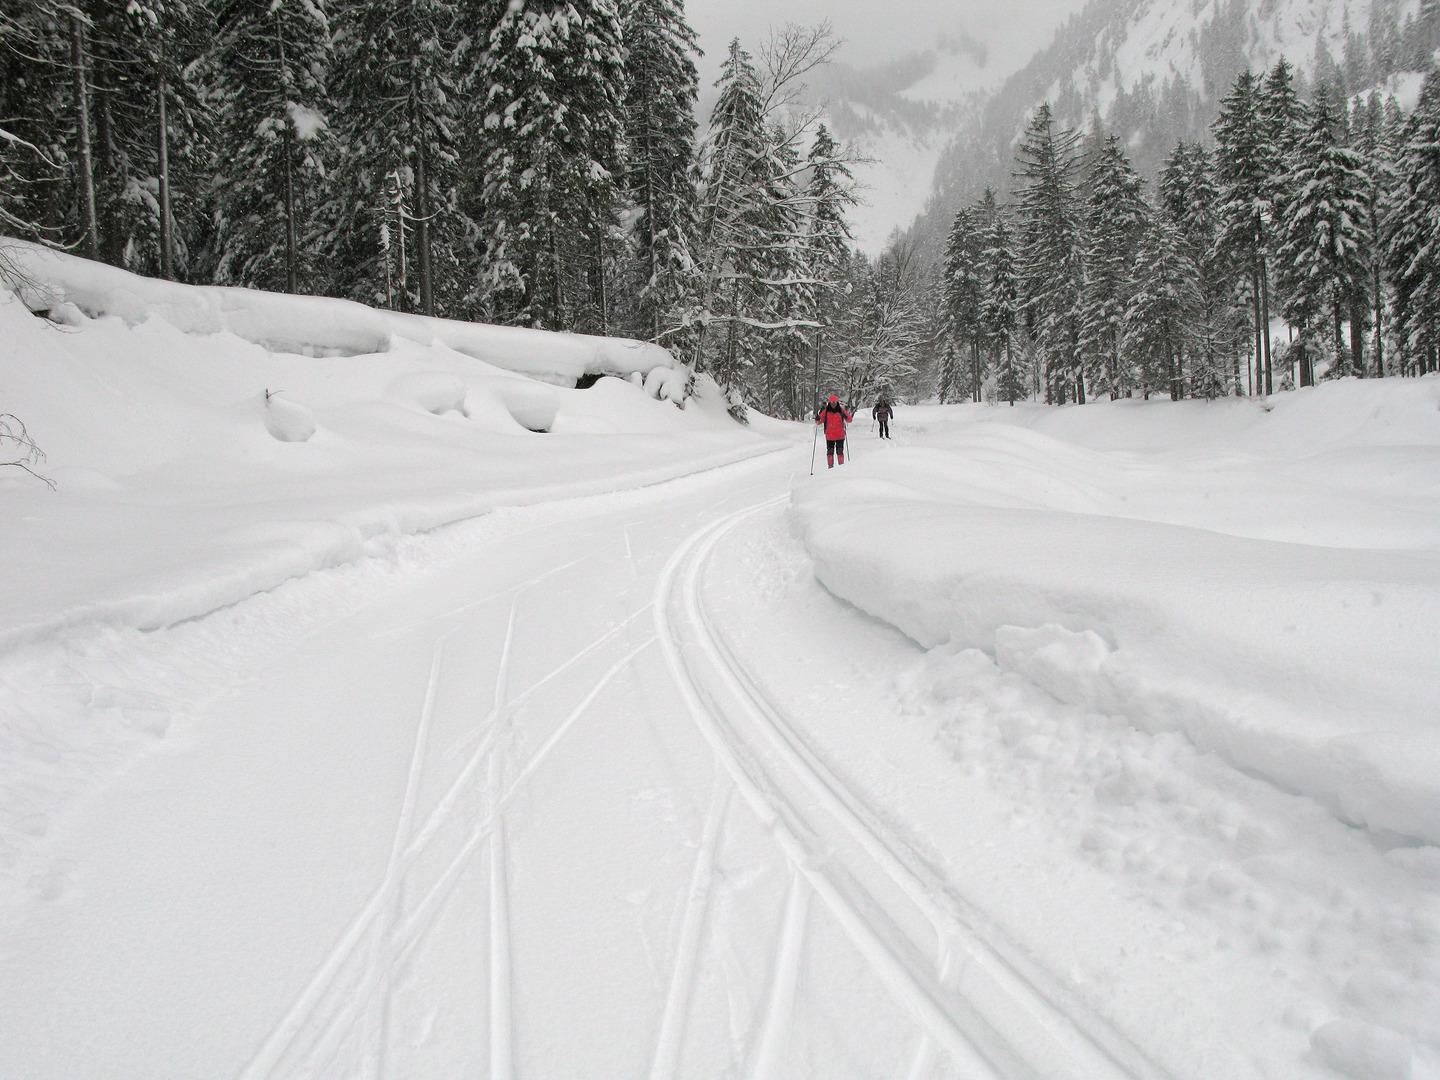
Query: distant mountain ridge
{"x": 1154, "y": 71}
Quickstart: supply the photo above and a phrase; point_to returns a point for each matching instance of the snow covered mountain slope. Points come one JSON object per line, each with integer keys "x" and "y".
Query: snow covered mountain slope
{"x": 901, "y": 113}
{"x": 1154, "y": 71}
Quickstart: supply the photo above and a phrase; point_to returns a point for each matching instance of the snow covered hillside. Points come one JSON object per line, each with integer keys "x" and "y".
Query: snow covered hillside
{"x": 432, "y": 716}
{"x": 1154, "y": 71}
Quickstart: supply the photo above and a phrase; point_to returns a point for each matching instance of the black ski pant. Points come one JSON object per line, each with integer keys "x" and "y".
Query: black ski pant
{"x": 884, "y": 427}
{"x": 833, "y": 447}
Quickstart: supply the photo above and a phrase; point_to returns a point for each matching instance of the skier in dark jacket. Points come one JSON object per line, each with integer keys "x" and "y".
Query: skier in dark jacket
{"x": 882, "y": 414}
{"x": 834, "y": 416}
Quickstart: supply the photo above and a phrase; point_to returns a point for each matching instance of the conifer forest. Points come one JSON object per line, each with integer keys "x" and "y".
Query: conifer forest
{"x": 544, "y": 164}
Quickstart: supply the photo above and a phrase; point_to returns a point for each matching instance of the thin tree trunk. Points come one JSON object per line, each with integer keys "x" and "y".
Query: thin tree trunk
{"x": 602, "y": 297}
{"x": 1357, "y": 337}
{"x": 422, "y": 234}
{"x": 653, "y": 237}
{"x": 1265, "y": 324}
{"x": 85, "y": 166}
{"x": 292, "y": 270}
{"x": 167, "y": 239}
{"x": 1253, "y": 371}
{"x": 1336, "y": 315}
{"x": 1379, "y": 299}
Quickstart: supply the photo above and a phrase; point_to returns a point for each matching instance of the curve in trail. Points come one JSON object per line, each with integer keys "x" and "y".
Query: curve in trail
{"x": 1085, "y": 1037}
{"x": 978, "y": 1052}
{"x": 1090, "y": 1047}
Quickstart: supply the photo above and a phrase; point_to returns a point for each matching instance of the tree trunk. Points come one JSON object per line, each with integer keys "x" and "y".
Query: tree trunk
{"x": 1378, "y": 296}
{"x": 1337, "y": 318}
{"x": 292, "y": 253}
{"x": 1357, "y": 337}
{"x": 422, "y": 232}
{"x": 1254, "y": 371}
{"x": 1265, "y": 324}
{"x": 602, "y": 293}
{"x": 85, "y": 166}
{"x": 162, "y": 133}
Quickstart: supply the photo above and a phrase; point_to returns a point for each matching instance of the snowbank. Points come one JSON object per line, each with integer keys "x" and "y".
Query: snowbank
{"x": 1277, "y": 600}
{"x": 314, "y": 326}
{"x": 197, "y": 466}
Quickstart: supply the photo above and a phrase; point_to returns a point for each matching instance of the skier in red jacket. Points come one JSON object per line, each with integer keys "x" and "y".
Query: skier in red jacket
{"x": 834, "y": 416}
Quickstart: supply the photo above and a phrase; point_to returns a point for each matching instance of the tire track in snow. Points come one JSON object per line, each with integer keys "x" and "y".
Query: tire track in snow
{"x": 1037, "y": 1005}
{"x": 671, "y": 1036}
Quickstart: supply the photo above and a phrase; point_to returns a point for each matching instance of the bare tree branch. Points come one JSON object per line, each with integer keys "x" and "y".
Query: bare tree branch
{"x": 15, "y": 442}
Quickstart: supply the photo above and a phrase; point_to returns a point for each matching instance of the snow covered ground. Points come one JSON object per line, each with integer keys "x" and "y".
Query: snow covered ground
{"x": 1086, "y": 743}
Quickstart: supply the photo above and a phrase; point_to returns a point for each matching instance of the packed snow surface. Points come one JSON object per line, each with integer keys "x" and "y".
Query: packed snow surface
{"x": 398, "y": 714}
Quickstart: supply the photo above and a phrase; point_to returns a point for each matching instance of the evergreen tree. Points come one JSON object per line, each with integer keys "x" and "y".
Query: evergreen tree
{"x": 830, "y": 195}
{"x": 1161, "y": 303}
{"x": 271, "y": 97}
{"x": 1283, "y": 119}
{"x": 1050, "y": 251}
{"x": 661, "y": 90}
{"x": 1413, "y": 235}
{"x": 1367, "y": 307}
{"x": 35, "y": 106}
{"x": 962, "y": 289}
{"x": 1115, "y": 221}
{"x": 1000, "y": 307}
{"x": 392, "y": 222}
{"x": 1191, "y": 202}
{"x": 734, "y": 224}
{"x": 151, "y": 132}
{"x": 1245, "y": 165}
{"x": 1319, "y": 255}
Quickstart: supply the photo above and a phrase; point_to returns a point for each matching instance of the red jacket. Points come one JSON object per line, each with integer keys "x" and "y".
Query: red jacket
{"x": 836, "y": 416}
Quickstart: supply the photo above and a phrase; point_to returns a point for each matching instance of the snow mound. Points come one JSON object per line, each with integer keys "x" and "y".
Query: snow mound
{"x": 436, "y": 392}
{"x": 1363, "y": 1051}
{"x": 288, "y": 421}
{"x": 532, "y": 405}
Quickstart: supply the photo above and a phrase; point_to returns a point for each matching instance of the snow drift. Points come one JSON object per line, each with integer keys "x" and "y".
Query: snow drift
{"x": 310, "y": 325}
{"x": 209, "y": 443}
{"x": 1278, "y": 605}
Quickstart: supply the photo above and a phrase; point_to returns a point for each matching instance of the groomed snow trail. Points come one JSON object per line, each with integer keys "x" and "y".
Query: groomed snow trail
{"x": 999, "y": 1021}
{"x": 518, "y": 806}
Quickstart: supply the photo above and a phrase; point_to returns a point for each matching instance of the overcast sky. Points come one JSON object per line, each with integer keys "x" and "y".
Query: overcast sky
{"x": 876, "y": 30}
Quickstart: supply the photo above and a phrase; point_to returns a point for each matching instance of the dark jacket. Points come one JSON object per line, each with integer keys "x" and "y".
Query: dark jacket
{"x": 883, "y": 410}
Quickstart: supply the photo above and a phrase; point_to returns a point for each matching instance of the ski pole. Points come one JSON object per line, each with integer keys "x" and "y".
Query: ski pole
{"x": 814, "y": 443}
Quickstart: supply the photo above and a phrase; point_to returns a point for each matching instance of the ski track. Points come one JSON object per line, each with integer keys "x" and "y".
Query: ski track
{"x": 310, "y": 1006}
{"x": 383, "y": 958}
{"x": 780, "y": 1003}
{"x": 671, "y": 1036}
{"x": 502, "y": 1020}
{"x": 1015, "y": 1019}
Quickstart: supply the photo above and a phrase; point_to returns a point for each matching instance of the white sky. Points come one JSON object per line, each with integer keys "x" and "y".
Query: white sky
{"x": 876, "y": 30}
